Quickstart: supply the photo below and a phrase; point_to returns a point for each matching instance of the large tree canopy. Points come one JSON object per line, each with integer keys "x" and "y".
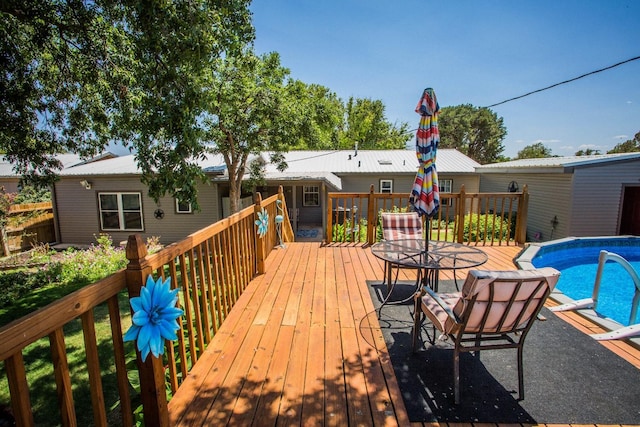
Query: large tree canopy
{"x": 253, "y": 109}
{"x": 367, "y": 126}
{"x": 475, "y": 131}
{"x": 76, "y": 75}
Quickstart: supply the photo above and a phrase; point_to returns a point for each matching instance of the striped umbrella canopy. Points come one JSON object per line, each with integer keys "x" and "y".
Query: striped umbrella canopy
{"x": 425, "y": 192}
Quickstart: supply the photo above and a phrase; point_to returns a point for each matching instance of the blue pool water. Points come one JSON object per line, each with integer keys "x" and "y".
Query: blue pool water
{"x": 577, "y": 260}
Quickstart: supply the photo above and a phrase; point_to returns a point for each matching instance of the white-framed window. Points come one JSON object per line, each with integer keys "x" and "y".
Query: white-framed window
{"x": 386, "y": 186}
{"x": 445, "y": 186}
{"x": 311, "y": 195}
{"x": 120, "y": 211}
{"x": 183, "y": 207}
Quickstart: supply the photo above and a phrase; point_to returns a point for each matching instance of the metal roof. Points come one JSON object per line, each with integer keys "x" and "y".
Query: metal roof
{"x": 67, "y": 160}
{"x": 306, "y": 163}
{"x": 373, "y": 161}
{"x": 558, "y": 162}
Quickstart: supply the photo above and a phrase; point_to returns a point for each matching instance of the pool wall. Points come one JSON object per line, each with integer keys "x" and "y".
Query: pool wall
{"x": 561, "y": 248}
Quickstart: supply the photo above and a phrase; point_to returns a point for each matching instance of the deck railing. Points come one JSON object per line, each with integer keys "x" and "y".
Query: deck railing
{"x": 472, "y": 218}
{"x": 211, "y": 269}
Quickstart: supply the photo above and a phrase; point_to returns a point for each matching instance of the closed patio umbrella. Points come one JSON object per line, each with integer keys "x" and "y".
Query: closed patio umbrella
{"x": 425, "y": 193}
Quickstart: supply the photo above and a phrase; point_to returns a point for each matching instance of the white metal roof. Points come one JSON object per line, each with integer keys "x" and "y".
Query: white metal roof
{"x": 307, "y": 163}
{"x": 557, "y": 162}
{"x": 67, "y": 160}
{"x": 373, "y": 161}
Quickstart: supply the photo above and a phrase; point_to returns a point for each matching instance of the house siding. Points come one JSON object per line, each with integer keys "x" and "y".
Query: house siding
{"x": 74, "y": 202}
{"x": 597, "y": 197}
{"x": 404, "y": 183}
{"x": 549, "y": 197}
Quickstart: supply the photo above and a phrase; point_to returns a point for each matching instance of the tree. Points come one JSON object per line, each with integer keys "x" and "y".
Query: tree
{"x": 477, "y": 132}
{"x": 367, "y": 126}
{"x": 322, "y": 118}
{"x": 587, "y": 152}
{"x": 252, "y": 110}
{"x": 77, "y": 75}
{"x": 629, "y": 146}
{"x": 534, "y": 151}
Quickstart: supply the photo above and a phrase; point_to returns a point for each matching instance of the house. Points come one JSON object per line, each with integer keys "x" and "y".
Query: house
{"x": 108, "y": 196}
{"x": 573, "y": 196}
{"x": 312, "y": 174}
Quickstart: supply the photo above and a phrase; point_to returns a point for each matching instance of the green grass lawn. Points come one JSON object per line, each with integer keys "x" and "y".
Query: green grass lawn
{"x": 40, "y": 375}
{"x": 25, "y": 290}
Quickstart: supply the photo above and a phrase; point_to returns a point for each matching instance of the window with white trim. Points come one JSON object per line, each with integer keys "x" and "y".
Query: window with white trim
{"x": 120, "y": 211}
{"x": 386, "y": 186}
{"x": 183, "y": 207}
{"x": 311, "y": 195}
{"x": 445, "y": 186}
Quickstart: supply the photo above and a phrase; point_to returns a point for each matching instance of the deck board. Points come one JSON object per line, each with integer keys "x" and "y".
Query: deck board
{"x": 303, "y": 346}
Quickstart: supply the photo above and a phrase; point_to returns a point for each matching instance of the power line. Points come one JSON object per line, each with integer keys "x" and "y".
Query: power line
{"x": 565, "y": 82}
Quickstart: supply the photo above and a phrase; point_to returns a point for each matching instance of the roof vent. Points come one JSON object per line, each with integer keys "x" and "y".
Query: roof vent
{"x": 384, "y": 162}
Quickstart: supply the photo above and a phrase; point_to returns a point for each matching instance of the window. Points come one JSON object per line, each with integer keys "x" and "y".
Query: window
{"x": 183, "y": 207}
{"x": 386, "y": 186}
{"x": 311, "y": 196}
{"x": 445, "y": 186}
{"x": 120, "y": 211}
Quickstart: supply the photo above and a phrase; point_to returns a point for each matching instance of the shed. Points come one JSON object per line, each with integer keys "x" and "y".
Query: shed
{"x": 573, "y": 196}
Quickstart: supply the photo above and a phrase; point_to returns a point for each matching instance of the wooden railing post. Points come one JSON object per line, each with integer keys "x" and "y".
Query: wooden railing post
{"x": 260, "y": 249}
{"x": 329, "y": 219}
{"x": 521, "y": 218}
{"x": 462, "y": 207}
{"x": 151, "y": 371}
{"x": 372, "y": 224}
{"x": 287, "y": 230}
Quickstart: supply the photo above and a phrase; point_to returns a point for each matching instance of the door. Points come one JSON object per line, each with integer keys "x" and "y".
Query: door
{"x": 630, "y": 219}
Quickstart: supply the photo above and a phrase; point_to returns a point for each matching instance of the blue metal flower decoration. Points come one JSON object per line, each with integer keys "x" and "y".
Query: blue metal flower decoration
{"x": 262, "y": 222}
{"x": 154, "y": 317}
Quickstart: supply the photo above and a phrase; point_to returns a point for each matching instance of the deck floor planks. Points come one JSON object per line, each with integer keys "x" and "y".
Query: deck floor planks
{"x": 335, "y": 411}
{"x": 193, "y": 392}
{"x": 373, "y": 347}
{"x": 257, "y": 374}
{"x": 312, "y": 351}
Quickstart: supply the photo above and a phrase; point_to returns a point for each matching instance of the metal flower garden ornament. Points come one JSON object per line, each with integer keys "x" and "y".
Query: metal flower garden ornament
{"x": 262, "y": 222}
{"x": 154, "y": 317}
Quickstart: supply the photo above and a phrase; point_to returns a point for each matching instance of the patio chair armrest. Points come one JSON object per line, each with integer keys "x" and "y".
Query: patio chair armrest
{"x": 434, "y": 295}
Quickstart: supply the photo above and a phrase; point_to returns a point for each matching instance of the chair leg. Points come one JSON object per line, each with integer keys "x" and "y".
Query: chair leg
{"x": 417, "y": 315}
{"x": 520, "y": 374}
{"x": 456, "y": 375}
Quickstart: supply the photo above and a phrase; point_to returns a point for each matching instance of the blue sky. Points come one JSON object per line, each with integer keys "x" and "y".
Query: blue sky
{"x": 472, "y": 52}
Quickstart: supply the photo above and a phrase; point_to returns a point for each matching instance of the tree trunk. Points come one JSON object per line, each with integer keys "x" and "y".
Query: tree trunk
{"x": 5, "y": 242}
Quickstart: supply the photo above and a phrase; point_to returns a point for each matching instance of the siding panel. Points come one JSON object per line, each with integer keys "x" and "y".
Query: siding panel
{"x": 78, "y": 215}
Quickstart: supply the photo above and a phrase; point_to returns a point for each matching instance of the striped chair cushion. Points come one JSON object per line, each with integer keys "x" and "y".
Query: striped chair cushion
{"x": 405, "y": 225}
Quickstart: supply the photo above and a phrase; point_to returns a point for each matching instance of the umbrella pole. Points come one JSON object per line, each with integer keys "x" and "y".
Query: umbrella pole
{"x": 427, "y": 235}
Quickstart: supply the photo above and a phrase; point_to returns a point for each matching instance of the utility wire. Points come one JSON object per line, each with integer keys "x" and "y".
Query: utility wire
{"x": 565, "y": 82}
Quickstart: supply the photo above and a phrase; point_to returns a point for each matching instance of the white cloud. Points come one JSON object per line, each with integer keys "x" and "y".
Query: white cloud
{"x": 625, "y": 137}
{"x": 547, "y": 141}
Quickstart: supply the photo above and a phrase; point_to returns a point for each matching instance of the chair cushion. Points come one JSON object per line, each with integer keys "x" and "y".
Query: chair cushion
{"x": 401, "y": 225}
{"x": 505, "y": 285}
{"x": 438, "y": 316}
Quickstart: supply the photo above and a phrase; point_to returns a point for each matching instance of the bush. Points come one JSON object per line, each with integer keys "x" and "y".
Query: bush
{"x": 489, "y": 227}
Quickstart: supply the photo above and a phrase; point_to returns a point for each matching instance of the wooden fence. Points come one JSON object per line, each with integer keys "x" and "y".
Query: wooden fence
{"x": 211, "y": 269}
{"x": 28, "y": 224}
{"x": 472, "y": 218}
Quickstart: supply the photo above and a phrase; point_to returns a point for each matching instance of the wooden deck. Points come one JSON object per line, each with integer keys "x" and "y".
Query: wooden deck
{"x": 303, "y": 346}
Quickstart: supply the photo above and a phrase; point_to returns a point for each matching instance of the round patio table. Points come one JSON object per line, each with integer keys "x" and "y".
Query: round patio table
{"x": 428, "y": 260}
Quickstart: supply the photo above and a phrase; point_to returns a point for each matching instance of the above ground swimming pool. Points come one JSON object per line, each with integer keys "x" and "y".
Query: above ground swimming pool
{"x": 577, "y": 260}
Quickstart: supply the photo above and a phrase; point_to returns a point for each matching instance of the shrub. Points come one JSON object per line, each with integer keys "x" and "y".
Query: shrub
{"x": 481, "y": 227}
